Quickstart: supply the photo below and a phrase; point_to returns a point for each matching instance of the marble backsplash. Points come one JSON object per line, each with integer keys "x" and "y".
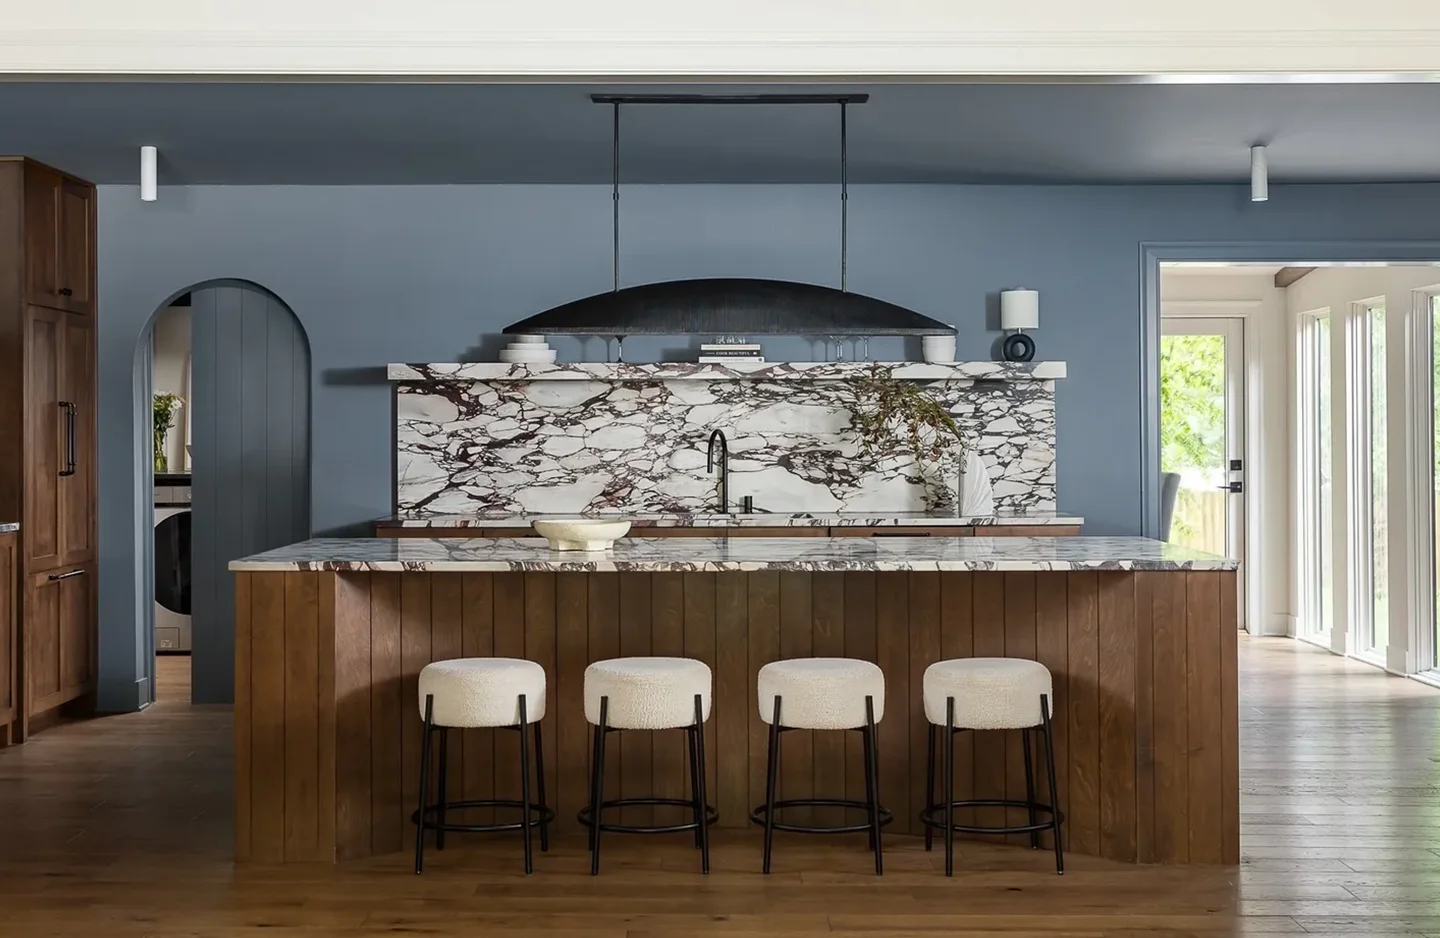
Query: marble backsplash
{"x": 633, "y": 438}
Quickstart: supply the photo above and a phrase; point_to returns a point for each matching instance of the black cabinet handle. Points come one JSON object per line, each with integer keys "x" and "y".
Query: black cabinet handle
{"x": 67, "y": 467}
{"x": 65, "y": 576}
{"x": 66, "y": 291}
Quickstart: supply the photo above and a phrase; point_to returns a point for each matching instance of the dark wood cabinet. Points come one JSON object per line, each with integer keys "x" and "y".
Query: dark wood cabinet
{"x": 11, "y": 694}
{"x": 47, "y": 405}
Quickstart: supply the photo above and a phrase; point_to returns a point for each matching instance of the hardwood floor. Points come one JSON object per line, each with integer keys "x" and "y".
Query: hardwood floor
{"x": 172, "y": 679}
{"x": 121, "y": 828}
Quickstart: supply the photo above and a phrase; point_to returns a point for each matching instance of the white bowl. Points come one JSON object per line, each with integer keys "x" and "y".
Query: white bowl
{"x": 527, "y": 355}
{"x": 938, "y": 348}
{"x": 581, "y": 533}
{"x": 529, "y": 340}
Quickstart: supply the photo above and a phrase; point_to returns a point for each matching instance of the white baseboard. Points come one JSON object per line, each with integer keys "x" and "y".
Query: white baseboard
{"x": 1276, "y": 625}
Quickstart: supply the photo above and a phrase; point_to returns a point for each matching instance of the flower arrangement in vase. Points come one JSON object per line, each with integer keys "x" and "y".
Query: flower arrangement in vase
{"x": 165, "y": 406}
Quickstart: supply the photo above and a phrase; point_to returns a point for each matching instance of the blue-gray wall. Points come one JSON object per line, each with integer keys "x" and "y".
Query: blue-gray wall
{"x": 381, "y": 274}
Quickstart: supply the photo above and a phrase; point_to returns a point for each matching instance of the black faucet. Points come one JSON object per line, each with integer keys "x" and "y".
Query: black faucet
{"x": 724, "y": 460}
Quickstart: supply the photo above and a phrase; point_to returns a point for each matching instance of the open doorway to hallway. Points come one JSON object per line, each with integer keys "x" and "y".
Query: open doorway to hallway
{"x": 171, "y": 398}
{"x": 1324, "y": 423}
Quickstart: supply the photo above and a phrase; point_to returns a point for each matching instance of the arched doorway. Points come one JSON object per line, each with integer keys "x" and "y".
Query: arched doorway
{"x": 243, "y": 423}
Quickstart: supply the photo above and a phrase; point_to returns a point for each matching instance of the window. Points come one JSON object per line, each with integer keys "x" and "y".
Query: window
{"x": 1375, "y": 637}
{"x": 1433, "y": 654}
{"x": 1318, "y": 579}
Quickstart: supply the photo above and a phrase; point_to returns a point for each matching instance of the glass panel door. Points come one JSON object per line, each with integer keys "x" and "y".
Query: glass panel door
{"x": 1202, "y": 410}
{"x": 1373, "y": 492}
{"x": 1316, "y": 467}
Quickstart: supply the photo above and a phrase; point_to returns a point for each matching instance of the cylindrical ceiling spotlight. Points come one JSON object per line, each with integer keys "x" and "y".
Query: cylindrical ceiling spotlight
{"x": 1259, "y": 175}
{"x": 147, "y": 174}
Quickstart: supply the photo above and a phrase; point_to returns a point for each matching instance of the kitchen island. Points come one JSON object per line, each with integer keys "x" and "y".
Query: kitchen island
{"x": 1139, "y": 635}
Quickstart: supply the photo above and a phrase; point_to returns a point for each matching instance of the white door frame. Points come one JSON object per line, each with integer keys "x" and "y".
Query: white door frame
{"x": 1231, "y": 318}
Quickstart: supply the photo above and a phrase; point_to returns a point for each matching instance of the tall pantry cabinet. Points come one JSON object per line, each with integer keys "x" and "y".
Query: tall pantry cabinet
{"x": 47, "y": 461}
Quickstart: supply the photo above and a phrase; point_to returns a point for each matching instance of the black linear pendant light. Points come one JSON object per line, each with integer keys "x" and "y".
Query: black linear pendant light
{"x": 730, "y": 305}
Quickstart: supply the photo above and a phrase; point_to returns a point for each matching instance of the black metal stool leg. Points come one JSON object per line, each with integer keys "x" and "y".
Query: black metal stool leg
{"x": 540, "y": 791}
{"x": 1050, "y": 780}
{"x": 694, "y": 784}
{"x": 872, "y": 772}
{"x": 597, "y": 788}
{"x": 930, "y": 801}
{"x": 597, "y": 740}
{"x": 866, "y": 741}
{"x": 444, "y": 732}
{"x": 424, "y": 783}
{"x": 949, "y": 786}
{"x": 1029, "y": 790}
{"x": 702, "y": 809}
{"x": 772, "y": 767}
{"x": 525, "y": 787}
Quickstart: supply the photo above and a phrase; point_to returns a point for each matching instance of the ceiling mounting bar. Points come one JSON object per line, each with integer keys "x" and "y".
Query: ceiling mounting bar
{"x": 729, "y": 98}
{"x": 844, "y": 192}
{"x": 615, "y": 198}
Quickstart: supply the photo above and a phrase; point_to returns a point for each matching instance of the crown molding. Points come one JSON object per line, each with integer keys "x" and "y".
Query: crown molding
{"x": 578, "y": 54}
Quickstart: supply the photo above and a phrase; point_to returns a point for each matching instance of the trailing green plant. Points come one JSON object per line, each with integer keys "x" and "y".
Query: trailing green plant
{"x": 887, "y": 410}
{"x": 164, "y": 408}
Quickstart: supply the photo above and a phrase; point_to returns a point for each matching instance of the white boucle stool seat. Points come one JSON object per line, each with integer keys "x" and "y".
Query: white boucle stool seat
{"x": 821, "y": 693}
{"x": 650, "y": 693}
{"x": 483, "y": 692}
{"x": 990, "y": 693}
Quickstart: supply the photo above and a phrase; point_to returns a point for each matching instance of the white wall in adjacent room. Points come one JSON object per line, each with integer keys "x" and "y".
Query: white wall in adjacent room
{"x": 170, "y": 350}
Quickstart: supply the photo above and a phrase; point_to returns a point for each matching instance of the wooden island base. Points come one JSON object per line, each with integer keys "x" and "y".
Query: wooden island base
{"x": 328, "y": 728}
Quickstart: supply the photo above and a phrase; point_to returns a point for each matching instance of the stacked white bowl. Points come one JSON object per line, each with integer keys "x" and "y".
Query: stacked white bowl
{"x": 528, "y": 349}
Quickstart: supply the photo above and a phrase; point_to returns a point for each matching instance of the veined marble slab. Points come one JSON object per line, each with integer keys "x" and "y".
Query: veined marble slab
{"x": 9, "y": 527}
{"x": 595, "y": 437}
{"x": 707, "y": 519}
{"x": 664, "y": 555}
{"x": 739, "y": 371}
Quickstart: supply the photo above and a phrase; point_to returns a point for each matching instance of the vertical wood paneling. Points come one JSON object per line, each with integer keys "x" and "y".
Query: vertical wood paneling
{"x": 924, "y": 641}
{"x": 509, "y": 596}
{"x": 1020, "y": 642}
{"x": 1205, "y": 716}
{"x": 734, "y": 700}
{"x": 699, "y": 639}
{"x": 669, "y": 772}
{"x": 1052, "y": 649}
{"x": 957, "y": 640}
{"x": 325, "y": 721}
{"x": 352, "y": 643}
{"x": 447, "y": 640}
{"x": 243, "y": 702}
{"x": 250, "y": 454}
{"x": 540, "y": 641}
{"x": 567, "y": 720}
{"x": 797, "y": 776}
{"x": 989, "y": 641}
{"x": 636, "y": 749}
{"x": 1230, "y": 715}
{"x": 860, "y": 642}
{"x": 268, "y": 651}
{"x": 389, "y": 711}
{"x": 1116, "y": 603}
{"x": 764, "y": 647}
{"x": 1171, "y": 718}
{"x": 1084, "y": 714}
{"x": 604, "y": 628}
{"x": 827, "y": 611}
{"x": 415, "y": 653}
{"x": 1144, "y": 719}
{"x": 892, "y": 622}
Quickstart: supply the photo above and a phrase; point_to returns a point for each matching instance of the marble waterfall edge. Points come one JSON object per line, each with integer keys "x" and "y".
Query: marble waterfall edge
{"x": 634, "y": 439}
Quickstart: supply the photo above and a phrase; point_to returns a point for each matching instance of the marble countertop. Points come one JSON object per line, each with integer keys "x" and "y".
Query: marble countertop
{"x": 702, "y": 554}
{"x": 842, "y": 519}
{"x": 9, "y": 527}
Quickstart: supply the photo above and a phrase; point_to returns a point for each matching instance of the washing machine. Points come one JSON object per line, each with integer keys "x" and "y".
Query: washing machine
{"x": 172, "y": 562}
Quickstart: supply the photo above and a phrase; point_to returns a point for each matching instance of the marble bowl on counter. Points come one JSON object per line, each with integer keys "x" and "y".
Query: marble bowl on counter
{"x": 589, "y": 534}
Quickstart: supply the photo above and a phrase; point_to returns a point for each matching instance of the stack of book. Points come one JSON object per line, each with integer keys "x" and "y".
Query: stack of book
{"x": 726, "y": 353}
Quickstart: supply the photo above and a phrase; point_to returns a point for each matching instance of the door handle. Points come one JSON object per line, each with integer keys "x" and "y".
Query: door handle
{"x": 68, "y": 466}
{"x": 66, "y": 291}
{"x": 1234, "y": 488}
{"x": 65, "y": 576}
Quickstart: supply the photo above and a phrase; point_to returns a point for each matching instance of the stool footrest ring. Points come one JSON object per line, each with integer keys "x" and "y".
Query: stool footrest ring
{"x": 934, "y": 816}
{"x": 539, "y": 814}
{"x": 711, "y": 816}
{"x": 757, "y": 816}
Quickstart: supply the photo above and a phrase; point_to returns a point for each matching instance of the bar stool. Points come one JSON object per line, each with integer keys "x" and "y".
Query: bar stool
{"x": 988, "y": 694}
{"x": 648, "y": 694}
{"x": 822, "y": 694}
{"x": 480, "y": 693}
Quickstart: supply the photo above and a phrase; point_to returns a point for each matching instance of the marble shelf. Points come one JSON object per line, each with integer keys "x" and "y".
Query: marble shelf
{"x": 709, "y": 519}
{"x": 716, "y": 555}
{"x": 740, "y": 371}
